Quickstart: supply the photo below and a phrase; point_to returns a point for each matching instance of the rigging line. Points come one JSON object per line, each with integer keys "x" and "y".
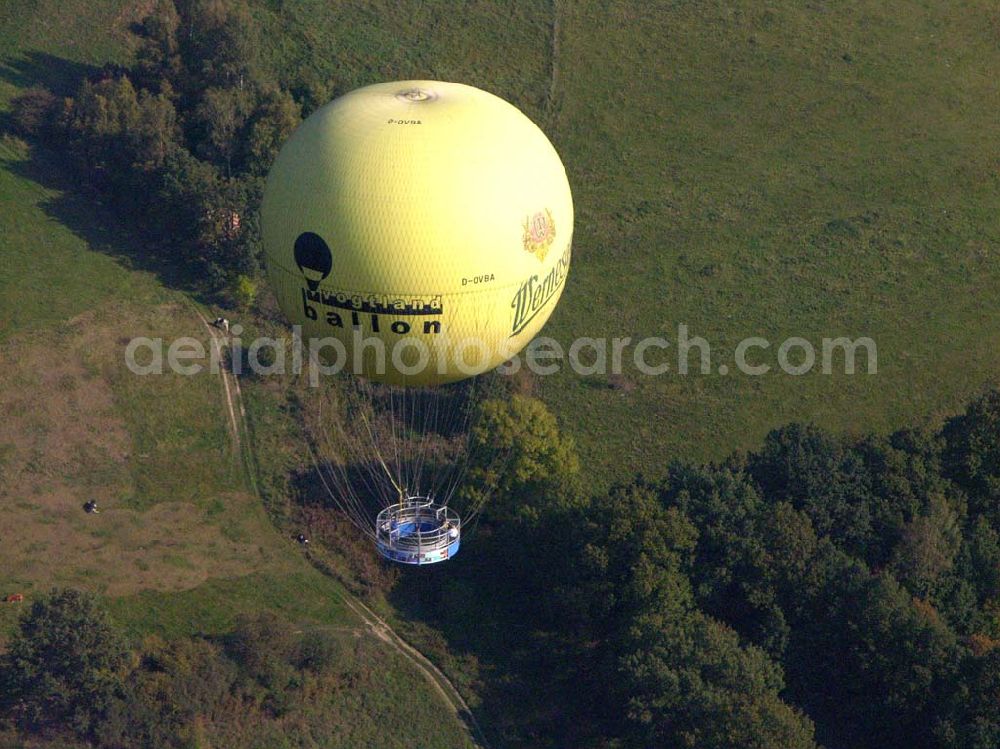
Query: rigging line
{"x": 475, "y": 525}
{"x": 428, "y": 429}
{"x": 466, "y": 419}
{"x": 366, "y": 472}
{"x": 500, "y": 456}
{"x": 313, "y": 447}
{"x": 451, "y": 482}
{"x": 469, "y": 414}
{"x": 378, "y": 455}
{"x": 352, "y": 501}
{"x": 371, "y": 390}
{"x": 404, "y": 425}
{"x": 409, "y": 446}
{"x": 352, "y": 504}
{"x": 358, "y": 520}
{"x": 442, "y": 408}
{"x": 399, "y": 435}
{"x": 469, "y": 417}
{"x": 358, "y": 507}
{"x": 361, "y": 525}
{"x": 360, "y": 443}
{"x": 425, "y": 404}
{"x": 416, "y": 431}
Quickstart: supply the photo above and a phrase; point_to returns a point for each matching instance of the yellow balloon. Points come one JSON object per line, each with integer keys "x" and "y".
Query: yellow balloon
{"x": 432, "y": 220}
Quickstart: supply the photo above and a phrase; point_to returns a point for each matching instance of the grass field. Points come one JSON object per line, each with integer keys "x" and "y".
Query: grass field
{"x": 784, "y": 170}
{"x": 747, "y": 171}
{"x": 153, "y": 451}
{"x": 817, "y": 171}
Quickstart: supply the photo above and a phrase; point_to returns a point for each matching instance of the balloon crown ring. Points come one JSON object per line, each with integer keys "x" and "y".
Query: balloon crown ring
{"x": 416, "y": 95}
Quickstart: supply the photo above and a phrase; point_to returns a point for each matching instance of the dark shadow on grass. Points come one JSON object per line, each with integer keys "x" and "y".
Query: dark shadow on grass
{"x": 473, "y": 611}
{"x": 91, "y": 215}
{"x": 57, "y": 74}
{"x": 456, "y": 612}
{"x": 310, "y": 489}
{"x": 80, "y": 206}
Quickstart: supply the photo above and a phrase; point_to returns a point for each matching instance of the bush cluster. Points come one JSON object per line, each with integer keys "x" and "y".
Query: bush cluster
{"x": 179, "y": 142}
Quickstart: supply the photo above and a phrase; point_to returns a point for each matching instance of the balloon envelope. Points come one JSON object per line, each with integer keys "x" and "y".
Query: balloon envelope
{"x": 420, "y": 211}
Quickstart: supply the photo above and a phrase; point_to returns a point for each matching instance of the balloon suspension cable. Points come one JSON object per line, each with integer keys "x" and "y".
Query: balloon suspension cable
{"x": 375, "y": 446}
{"x": 381, "y": 459}
{"x": 353, "y": 513}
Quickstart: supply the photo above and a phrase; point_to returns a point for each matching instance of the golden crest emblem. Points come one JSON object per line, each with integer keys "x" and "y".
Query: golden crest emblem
{"x": 539, "y": 233}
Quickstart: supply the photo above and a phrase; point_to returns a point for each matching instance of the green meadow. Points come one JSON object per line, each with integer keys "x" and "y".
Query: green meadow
{"x": 816, "y": 171}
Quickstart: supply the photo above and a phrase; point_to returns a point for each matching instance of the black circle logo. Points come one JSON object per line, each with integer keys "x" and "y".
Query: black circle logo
{"x": 313, "y": 257}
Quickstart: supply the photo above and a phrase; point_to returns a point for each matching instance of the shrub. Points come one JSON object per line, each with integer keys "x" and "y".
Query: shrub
{"x": 35, "y": 112}
{"x": 320, "y": 651}
{"x": 245, "y": 291}
{"x": 66, "y": 662}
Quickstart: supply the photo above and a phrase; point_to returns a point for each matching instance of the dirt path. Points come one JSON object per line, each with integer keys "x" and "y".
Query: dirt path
{"x": 374, "y": 623}
{"x": 442, "y": 684}
{"x": 218, "y": 343}
{"x": 234, "y": 401}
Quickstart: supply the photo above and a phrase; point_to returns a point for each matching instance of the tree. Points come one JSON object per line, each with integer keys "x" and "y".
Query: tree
{"x": 516, "y": 448}
{"x": 267, "y": 651}
{"x": 114, "y": 109}
{"x": 525, "y": 474}
{"x": 677, "y": 677}
{"x": 244, "y": 291}
{"x": 275, "y": 119}
{"x": 816, "y": 474}
{"x": 980, "y": 559}
{"x": 35, "y": 112}
{"x": 927, "y": 550}
{"x": 66, "y": 662}
{"x": 155, "y": 133}
{"x": 636, "y": 556}
{"x": 220, "y": 44}
{"x": 98, "y": 120}
{"x": 158, "y": 55}
{"x": 159, "y": 705}
{"x": 311, "y": 90}
{"x": 187, "y": 188}
{"x": 974, "y": 721}
{"x": 237, "y": 50}
{"x": 197, "y": 37}
{"x": 265, "y": 646}
{"x": 187, "y": 149}
{"x": 221, "y": 115}
{"x": 690, "y": 684}
{"x": 905, "y": 474}
{"x": 733, "y": 571}
{"x": 972, "y": 454}
{"x": 869, "y": 663}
